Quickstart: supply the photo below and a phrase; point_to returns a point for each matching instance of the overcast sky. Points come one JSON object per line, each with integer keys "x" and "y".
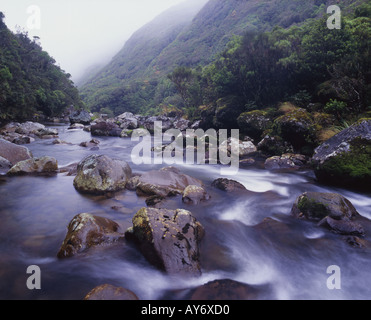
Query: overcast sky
{"x": 81, "y": 33}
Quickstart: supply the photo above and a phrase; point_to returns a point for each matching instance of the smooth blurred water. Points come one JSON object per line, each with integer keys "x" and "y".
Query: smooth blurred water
{"x": 292, "y": 260}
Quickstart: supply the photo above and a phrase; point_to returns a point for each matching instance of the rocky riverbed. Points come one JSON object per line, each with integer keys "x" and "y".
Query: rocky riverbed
{"x": 99, "y": 226}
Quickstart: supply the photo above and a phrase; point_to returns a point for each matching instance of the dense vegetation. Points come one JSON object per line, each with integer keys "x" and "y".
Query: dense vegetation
{"x": 31, "y": 84}
{"x": 136, "y": 79}
{"x": 310, "y": 66}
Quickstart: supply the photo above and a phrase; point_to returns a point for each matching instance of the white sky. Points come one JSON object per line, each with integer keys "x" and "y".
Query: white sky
{"x": 82, "y": 33}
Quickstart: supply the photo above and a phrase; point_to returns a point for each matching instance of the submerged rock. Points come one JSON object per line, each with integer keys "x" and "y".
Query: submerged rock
{"x": 35, "y": 165}
{"x": 109, "y": 292}
{"x": 344, "y": 159}
{"x": 228, "y": 185}
{"x": 168, "y": 239}
{"x": 165, "y": 182}
{"x": 226, "y": 289}
{"x": 98, "y": 174}
{"x": 286, "y": 161}
{"x": 86, "y": 231}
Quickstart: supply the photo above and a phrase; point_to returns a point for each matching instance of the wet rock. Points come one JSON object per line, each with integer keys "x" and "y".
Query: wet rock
{"x": 155, "y": 201}
{"x": 34, "y": 165}
{"x": 344, "y": 159}
{"x": 76, "y": 126}
{"x": 110, "y": 293}
{"x": 315, "y": 206}
{"x": 225, "y": 289}
{"x": 13, "y": 153}
{"x": 345, "y": 227}
{"x": 126, "y": 133}
{"x": 105, "y": 128}
{"x": 99, "y": 174}
{"x": 133, "y": 182}
{"x": 298, "y": 128}
{"x": 357, "y": 242}
{"x": 274, "y": 146}
{"x": 59, "y": 141}
{"x": 5, "y": 165}
{"x": 286, "y": 161}
{"x": 182, "y": 124}
{"x": 29, "y": 127}
{"x": 165, "y": 182}
{"x": 86, "y": 231}
{"x": 254, "y": 123}
{"x": 228, "y": 185}
{"x": 46, "y": 133}
{"x": 245, "y": 147}
{"x": 129, "y": 123}
{"x": 168, "y": 239}
{"x": 23, "y": 140}
{"x": 194, "y": 195}
{"x": 71, "y": 169}
{"x": 90, "y": 144}
{"x": 330, "y": 210}
{"x": 80, "y": 116}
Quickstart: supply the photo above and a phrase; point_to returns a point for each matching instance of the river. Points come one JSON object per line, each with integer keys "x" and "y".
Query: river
{"x": 35, "y": 212}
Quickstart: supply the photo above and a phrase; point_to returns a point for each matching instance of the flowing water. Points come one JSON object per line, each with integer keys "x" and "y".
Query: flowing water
{"x": 291, "y": 260}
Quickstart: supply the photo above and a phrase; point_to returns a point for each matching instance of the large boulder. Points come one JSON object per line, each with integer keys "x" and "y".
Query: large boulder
{"x": 298, "y": 128}
{"x": 80, "y": 116}
{"x": 35, "y": 165}
{"x": 344, "y": 159}
{"x": 168, "y": 239}
{"x": 331, "y": 210}
{"x": 254, "y": 123}
{"x": 105, "y": 128}
{"x": 13, "y": 153}
{"x": 86, "y": 231}
{"x": 194, "y": 195}
{"x": 228, "y": 185}
{"x": 98, "y": 174}
{"x": 286, "y": 161}
{"x": 245, "y": 147}
{"x": 5, "y": 165}
{"x": 165, "y": 182}
{"x": 29, "y": 127}
{"x": 274, "y": 146}
{"x": 110, "y": 293}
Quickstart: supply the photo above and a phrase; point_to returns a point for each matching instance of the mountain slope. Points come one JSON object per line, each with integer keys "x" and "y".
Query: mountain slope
{"x": 30, "y": 81}
{"x": 135, "y": 80}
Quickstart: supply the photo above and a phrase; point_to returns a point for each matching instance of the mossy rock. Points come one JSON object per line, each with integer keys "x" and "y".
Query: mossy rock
{"x": 315, "y": 206}
{"x": 299, "y": 129}
{"x": 352, "y": 168}
{"x": 254, "y": 123}
{"x": 345, "y": 159}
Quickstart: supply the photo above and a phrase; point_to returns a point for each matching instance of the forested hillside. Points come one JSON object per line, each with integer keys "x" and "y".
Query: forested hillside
{"x": 136, "y": 79}
{"x": 31, "y": 84}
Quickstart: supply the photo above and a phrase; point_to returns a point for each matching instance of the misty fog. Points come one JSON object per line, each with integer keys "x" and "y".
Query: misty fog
{"x": 85, "y": 34}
